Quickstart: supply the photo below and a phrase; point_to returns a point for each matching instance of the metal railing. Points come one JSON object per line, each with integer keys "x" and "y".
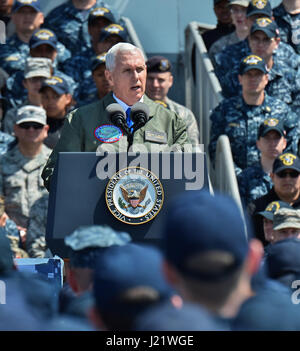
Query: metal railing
{"x": 132, "y": 34}
{"x": 203, "y": 94}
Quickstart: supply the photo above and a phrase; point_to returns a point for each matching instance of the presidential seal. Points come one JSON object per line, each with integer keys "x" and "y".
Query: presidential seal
{"x": 134, "y": 195}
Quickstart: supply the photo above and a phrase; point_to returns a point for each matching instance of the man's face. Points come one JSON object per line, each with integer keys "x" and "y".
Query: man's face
{"x": 158, "y": 85}
{"x": 263, "y": 46}
{"x": 128, "y": 79}
{"x": 55, "y": 104}
{"x": 271, "y": 145}
{"x": 286, "y": 233}
{"x": 31, "y": 136}
{"x": 253, "y": 81}
{"x": 268, "y": 229}
{"x": 238, "y": 15}
{"x": 222, "y": 12}
{"x": 27, "y": 19}
{"x": 33, "y": 85}
{"x": 105, "y": 45}
{"x": 286, "y": 183}
{"x": 95, "y": 27}
{"x": 100, "y": 80}
{"x": 44, "y": 50}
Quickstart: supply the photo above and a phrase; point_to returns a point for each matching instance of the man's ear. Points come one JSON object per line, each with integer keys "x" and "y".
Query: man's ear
{"x": 255, "y": 254}
{"x": 108, "y": 76}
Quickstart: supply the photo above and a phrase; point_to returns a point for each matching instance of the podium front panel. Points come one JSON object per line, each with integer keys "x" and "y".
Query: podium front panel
{"x": 78, "y": 192}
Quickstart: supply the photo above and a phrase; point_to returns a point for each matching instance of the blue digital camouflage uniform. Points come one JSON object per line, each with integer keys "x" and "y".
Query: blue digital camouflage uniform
{"x": 232, "y": 55}
{"x": 13, "y": 55}
{"x": 283, "y": 83}
{"x": 71, "y": 26}
{"x": 289, "y": 27}
{"x": 240, "y": 123}
{"x": 6, "y": 141}
{"x": 79, "y": 67}
{"x": 253, "y": 183}
{"x": 15, "y": 92}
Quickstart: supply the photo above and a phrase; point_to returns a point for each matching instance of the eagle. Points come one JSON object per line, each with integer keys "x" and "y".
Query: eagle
{"x": 134, "y": 197}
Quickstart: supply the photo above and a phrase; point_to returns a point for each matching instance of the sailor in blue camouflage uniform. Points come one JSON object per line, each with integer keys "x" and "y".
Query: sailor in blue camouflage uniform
{"x": 80, "y": 68}
{"x": 43, "y": 43}
{"x": 15, "y": 52}
{"x": 70, "y": 22}
{"x": 239, "y": 117}
{"x": 264, "y": 41}
{"x": 231, "y": 56}
{"x": 255, "y": 181}
{"x": 287, "y": 16}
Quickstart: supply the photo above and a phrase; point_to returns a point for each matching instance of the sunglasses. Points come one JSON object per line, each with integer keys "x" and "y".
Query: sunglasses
{"x": 27, "y": 125}
{"x": 284, "y": 174}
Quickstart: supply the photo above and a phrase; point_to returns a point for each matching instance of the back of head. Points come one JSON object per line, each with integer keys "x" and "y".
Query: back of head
{"x": 205, "y": 241}
{"x": 127, "y": 281}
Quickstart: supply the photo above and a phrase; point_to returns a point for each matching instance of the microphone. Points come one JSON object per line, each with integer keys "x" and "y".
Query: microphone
{"x": 118, "y": 117}
{"x": 139, "y": 115}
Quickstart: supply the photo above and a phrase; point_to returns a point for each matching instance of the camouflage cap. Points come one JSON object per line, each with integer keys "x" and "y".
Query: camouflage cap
{"x": 266, "y": 25}
{"x": 271, "y": 124}
{"x": 252, "y": 62}
{"x": 272, "y": 207}
{"x": 30, "y": 113}
{"x": 259, "y": 7}
{"x": 286, "y": 218}
{"x": 286, "y": 161}
{"x": 37, "y": 67}
{"x": 96, "y": 236}
{"x": 243, "y": 3}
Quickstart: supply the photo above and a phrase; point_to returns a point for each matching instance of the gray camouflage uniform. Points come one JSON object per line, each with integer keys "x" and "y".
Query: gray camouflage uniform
{"x": 21, "y": 182}
{"x": 36, "y": 231}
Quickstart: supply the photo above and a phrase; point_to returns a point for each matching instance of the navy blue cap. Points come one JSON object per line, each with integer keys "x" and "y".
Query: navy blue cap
{"x": 101, "y": 12}
{"x": 121, "y": 270}
{"x": 202, "y": 232}
{"x": 283, "y": 257}
{"x": 286, "y": 161}
{"x": 113, "y": 29}
{"x": 58, "y": 84}
{"x": 259, "y": 7}
{"x": 252, "y": 62}
{"x": 98, "y": 60}
{"x": 35, "y": 4}
{"x": 158, "y": 64}
{"x": 43, "y": 36}
{"x": 272, "y": 208}
{"x": 266, "y": 25}
{"x": 271, "y": 124}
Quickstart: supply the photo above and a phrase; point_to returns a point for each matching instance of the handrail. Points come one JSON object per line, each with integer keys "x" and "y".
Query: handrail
{"x": 132, "y": 34}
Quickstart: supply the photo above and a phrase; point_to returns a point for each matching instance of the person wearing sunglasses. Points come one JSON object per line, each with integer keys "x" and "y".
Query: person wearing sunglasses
{"x": 286, "y": 187}
{"x": 21, "y": 167}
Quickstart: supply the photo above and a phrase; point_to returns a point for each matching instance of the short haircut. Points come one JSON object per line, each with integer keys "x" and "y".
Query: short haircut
{"x": 120, "y": 47}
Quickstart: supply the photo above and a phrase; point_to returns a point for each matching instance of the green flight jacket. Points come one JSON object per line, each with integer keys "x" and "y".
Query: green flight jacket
{"x": 78, "y": 133}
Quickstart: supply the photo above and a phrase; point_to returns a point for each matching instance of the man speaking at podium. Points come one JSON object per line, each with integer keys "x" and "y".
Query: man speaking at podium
{"x": 110, "y": 124}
